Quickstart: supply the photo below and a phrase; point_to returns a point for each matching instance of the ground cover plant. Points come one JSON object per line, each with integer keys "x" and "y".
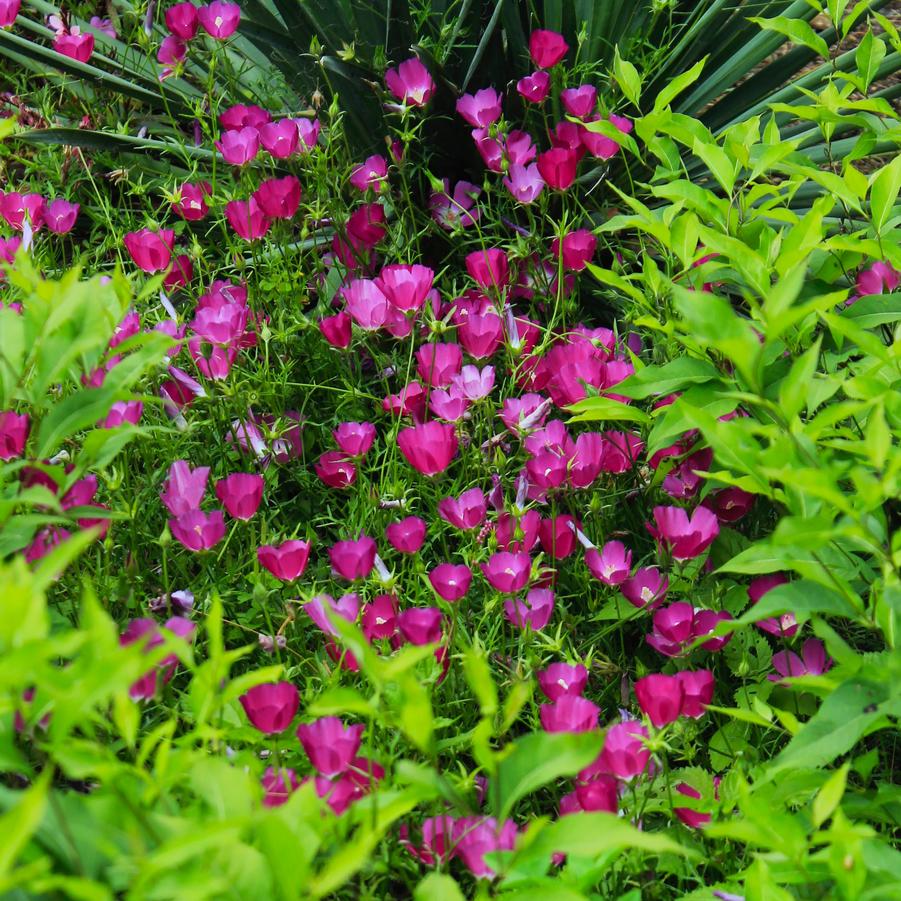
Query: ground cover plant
{"x": 450, "y": 463}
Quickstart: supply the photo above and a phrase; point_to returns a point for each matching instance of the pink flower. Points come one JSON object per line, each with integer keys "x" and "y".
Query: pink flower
{"x": 379, "y": 618}
{"x": 240, "y": 494}
{"x": 371, "y": 173}
{"x": 330, "y": 745}
{"x": 172, "y": 53}
{"x": 697, "y": 689}
{"x": 9, "y": 9}
{"x": 535, "y": 611}
{"x": 437, "y": 840}
{"x": 508, "y": 572}
{"x": 611, "y": 564}
{"x": 812, "y": 662}
{"x": 335, "y": 470}
{"x": 474, "y": 384}
{"x": 60, "y": 216}
{"x": 336, "y": 329}
{"x": 239, "y": 146}
{"x": 191, "y": 204}
{"x": 247, "y": 218}
{"x": 428, "y": 448}
{"x": 561, "y": 679}
{"x": 577, "y": 249}
{"x": 624, "y": 754}
{"x": 280, "y": 139}
{"x": 660, "y": 697}
{"x": 694, "y": 819}
{"x": 353, "y": 559}
{"x": 570, "y": 713}
{"x": 151, "y": 251}
{"x": 785, "y": 624}
{"x": 420, "y": 625}
{"x": 241, "y": 116}
{"x": 534, "y": 88}
{"x": 438, "y": 364}
{"x": 270, "y": 708}
{"x": 279, "y": 197}
{"x": 76, "y": 46}
{"x": 147, "y": 629}
{"x": 480, "y": 109}
{"x": 198, "y": 531}
{"x": 647, "y": 588}
{"x": 366, "y": 304}
{"x": 685, "y": 538}
{"x": 355, "y": 438}
{"x": 450, "y": 582}
{"x": 676, "y": 627}
{"x": 17, "y": 209}
{"x": 406, "y": 287}
{"x": 456, "y": 209}
{"x": 581, "y": 101}
{"x": 880, "y": 278}
{"x": 286, "y": 561}
{"x": 182, "y": 20}
{"x": 524, "y": 182}
{"x": 406, "y": 536}
{"x": 599, "y": 145}
{"x": 323, "y": 607}
{"x": 557, "y": 167}
{"x": 477, "y": 836}
{"x": 480, "y": 334}
{"x": 598, "y": 794}
{"x": 278, "y": 786}
{"x": 411, "y": 83}
{"x": 307, "y": 133}
{"x": 219, "y": 20}
{"x": 13, "y": 434}
{"x": 558, "y": 539}
{"x": 488, "y": 268}
{"x": 467, "y": 511}
{"x": 122, "y": 412}
{"x": 184, "y": 488}
{"x": 547, "y": 48}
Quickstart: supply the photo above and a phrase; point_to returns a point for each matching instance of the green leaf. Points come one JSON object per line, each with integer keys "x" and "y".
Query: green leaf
{"x": 593, "y": 409}
{"x": 868, "y": 57}
{"x": 627, "y": 77}
{"x": 884, "y": 186}
{"x": 539, "y": 758}
{"x": 611, "y": 279}
{"x": 717, "y": 161}
{"x": 19, "y": 824}
{"x": 803, "y": 598}
{"x": 438, "y": 887}
{"x": 478, "y": 675}
{"x": 874, "y": 310}
{"x": 830, "y": 795}
{"x": 678, "y": 84}
{"x": 670, "y": 377}
{"x": 797, "y": 31}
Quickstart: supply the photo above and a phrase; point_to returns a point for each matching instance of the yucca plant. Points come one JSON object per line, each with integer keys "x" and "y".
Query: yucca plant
{"x": 289, "y": 54}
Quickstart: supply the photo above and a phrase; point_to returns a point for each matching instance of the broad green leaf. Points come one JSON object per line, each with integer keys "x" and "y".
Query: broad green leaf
{"x": 593, "y": 409}
{"x": 678, "y": 85}
{"x": 797, "y": 31}
{"x": 803, "y": 598}
{"x": 670, "y": 377}
{"x": 611, "y": 279}
{"x": 627, "y": 77}
{"x": 438, "y": 887}
{"x": 868, "y": 57}
{"x": 717, "y": 161}
{"x": 884, "y": 187}
{"x": 21, "y": 822}
{"x": 874, "y": 310}
{"x": 536, "y": 759}
{"x": 830, "y": 795}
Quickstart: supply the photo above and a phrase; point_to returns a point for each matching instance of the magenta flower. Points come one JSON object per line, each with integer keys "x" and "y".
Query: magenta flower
{"x": 247, "y": 218}
{"x": 151, "y": 251}
{"x": 697, "y": 690}
{"x": 279, "y": 198}
{"x": 336, "y": 329}
{"x": 468, "y": 511}
{"x": 581, "y": 101}
{"x": 150, "y": 632}
{"x": 182, "y": 20}
{"x": 286, "y": 561}
{"x": 694, "y": 819}
{"x": 438, "y": 364}
{"x": 379, "y": 618}
{"x": 278, "y": 786}
{"x": 561, "y": 679}
{"x": 449, "y": 581}
{"x": 9, "y": 9}
{"x": 270, "y": 708}
{"x": 239, "y": 146}
{"x": 406, "y": 287}
{"x": 880, "y": 278}
{"x": 535, "y": 611}
{"x": 676, "y": 627}
{"x": 624, "y": 754}
{"x": 508, "y": 572}
{"x": 488, "y": 268}
{"x": 477, "y": 836}
{"x": 598, "y": 794}
{"x": 534, "y": 88}
{"x": 60, "y": 216}
{"x": 407, "y": 535}
{"x": 428, "y": 448}
{"x": 547, "y": 48}
{"x": 308, "y": 133}
{"x": 660, "y": 697}
{"x": 451, "y": 210}
{"x": 785, "y": 624}
{"x": 198, "y": 531}
{"x": 647, "y": 588}
{"x": 330, "y": 745}
{"x": 280, "y": 139}
{"x": 354, "y": 558}
{"x": 474, "y": 384}
{"x": 191, "y": 204}
{"x": 524, "y": 182}
{"x": 120, "y": 413}
{"x": 370, "y": 174}
{"x": 74, "y": 45}
{"x": 437, "y": 835}
{"x": 366, "y": 304}
{"x": 611, "y": 564}
{"x": 324, "y": 606}
{"x": 411, "y": 83}
{"x": 577, "y": 249}
{"x": 17, "y": 209}
{"x": 812, "y": 662}
{"x": 240, "y": 494}
{"x": 355, "y": 438}
{"x": 219, "y": 20}
{"x": 684, "y": 538}
{"x": 558, "y": 538}
{"x": 570, "y": 713}
{"x": 420, "y": 625}
{"x": 171, "y": 54}
{"x": 243, "y": 116}
{"x": 481, "y": 334}
{"x": 557, "y": 167}
{"x": 335, "y": 470}
{"x": 184, "y": 487}
{"x": 480, "y": 109}
{"x": 13, "y": 434}
{"x": 599, "y": 145}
